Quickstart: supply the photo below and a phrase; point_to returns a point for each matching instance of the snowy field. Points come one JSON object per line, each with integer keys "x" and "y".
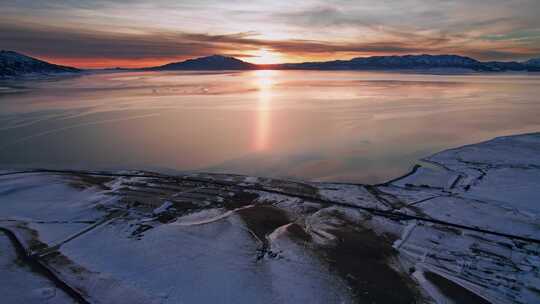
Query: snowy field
{"x": 462, "y": 228}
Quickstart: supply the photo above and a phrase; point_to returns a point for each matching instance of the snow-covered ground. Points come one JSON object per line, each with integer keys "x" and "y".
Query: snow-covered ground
{"x": 19, "y": 284}
{"x": 461, "y": 229}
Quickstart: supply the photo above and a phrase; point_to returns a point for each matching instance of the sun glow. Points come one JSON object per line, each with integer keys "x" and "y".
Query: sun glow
{"x": 264, "y": 56}
{"x": 264, "y": 80}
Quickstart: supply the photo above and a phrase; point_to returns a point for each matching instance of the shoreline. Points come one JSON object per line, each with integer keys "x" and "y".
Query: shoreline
{"x": 423, "y": 231}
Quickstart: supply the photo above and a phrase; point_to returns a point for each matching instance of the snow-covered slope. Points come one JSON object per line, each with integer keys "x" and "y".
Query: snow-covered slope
{"x": 418, "y": 61}
{"x": 533, "y": 62}
{"x": 411, "y": 62}
{"x": 462, "y": 230}
{"x": 13, "y": 64}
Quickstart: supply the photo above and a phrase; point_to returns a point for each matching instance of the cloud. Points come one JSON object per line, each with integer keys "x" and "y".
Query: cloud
{"x": 67, "y": 43}
{"x": 97, "y": 48}
{"x": 111, "y": 32}
{"x": 61, "y": 42}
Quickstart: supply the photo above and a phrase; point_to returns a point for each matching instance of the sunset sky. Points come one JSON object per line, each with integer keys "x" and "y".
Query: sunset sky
{"x": 109, "y": 33}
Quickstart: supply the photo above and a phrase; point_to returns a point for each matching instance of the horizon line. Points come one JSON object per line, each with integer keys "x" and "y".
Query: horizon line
{"x": 254, "y": 64}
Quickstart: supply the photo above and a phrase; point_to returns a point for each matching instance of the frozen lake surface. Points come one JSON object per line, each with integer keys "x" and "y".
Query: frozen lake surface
{"x": 327, "y": 126}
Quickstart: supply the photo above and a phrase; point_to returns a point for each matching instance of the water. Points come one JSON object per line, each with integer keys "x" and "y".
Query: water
{"x": 333, "y": 126}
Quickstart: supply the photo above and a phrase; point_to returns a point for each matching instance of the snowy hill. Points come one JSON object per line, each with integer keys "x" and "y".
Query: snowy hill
{"x": 410, "y": 62}
{"x": 13, "y": 64}
{"x": 418, "y": 61}
{"x": 397, "y": 62}
{"x": 533, "y": 62}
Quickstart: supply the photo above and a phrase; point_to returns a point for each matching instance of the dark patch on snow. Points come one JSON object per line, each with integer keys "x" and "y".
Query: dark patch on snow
{"x": 84, "y": 181}
{"x": 240, "y": 199}
{"x": 453, "y": 291}
{"x": 361, "y": 258}
{"x": 141, "y": 228}
{"x": 40, "y": 266}
{"x": 262, "y": 220}
{"x": 297, "y": 232}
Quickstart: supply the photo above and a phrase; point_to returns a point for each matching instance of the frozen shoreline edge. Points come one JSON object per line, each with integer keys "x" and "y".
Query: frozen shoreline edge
{"x": 428, "y": 191}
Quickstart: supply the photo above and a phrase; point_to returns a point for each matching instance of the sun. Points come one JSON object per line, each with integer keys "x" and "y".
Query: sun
{"x": 264, "y": 56}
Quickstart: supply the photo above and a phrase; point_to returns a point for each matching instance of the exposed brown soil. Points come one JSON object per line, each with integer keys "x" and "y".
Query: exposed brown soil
{"x": 294, "y": 187}
{"x": 361, "y": 257}
{"x": 84, "y": 181}
{"x": 240, "y": 199}
{"x": 453, "y": 291}
{"x": 298, "y": 233}
{"x": 263, "y": 220}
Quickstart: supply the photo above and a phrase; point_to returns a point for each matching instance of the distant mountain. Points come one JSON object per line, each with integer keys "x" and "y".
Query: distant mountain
{"x": 214, "y": 62}
{"x": 379, "y": 63}
{"x": 13, "y": 64}
{"x": 394, "y": 63}
{"x": 501, "y": 66}
{"x": 410, "y": 62}
{"x": 533, "y": 62}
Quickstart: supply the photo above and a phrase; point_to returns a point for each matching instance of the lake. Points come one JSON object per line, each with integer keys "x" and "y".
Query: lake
{"x": 341, "y": 126}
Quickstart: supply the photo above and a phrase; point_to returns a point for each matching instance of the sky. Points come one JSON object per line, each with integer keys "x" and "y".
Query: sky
{"x": 111, "y": 33}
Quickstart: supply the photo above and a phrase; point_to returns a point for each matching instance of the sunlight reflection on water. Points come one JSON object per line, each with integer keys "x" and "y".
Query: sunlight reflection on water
{"x": 264, "y": 80}
{"x": 339, "y": 126}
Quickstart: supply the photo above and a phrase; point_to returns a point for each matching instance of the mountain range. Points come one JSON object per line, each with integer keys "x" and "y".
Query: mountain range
{"x": 13, "y": 64}
{"x": 533, "y": 62}
{"x": 406, "y": 62}
{"x": 214, "y": 62}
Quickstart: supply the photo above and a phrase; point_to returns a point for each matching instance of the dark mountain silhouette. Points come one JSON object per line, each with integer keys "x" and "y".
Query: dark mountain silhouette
{"x": 500, "y": 66}
{"x": 395, "y": 63}
{"x": 13, "y": 64}
{"x": 413, "y": 62}
{"x": 406, "y": 62}
{"x": 214, "y": 62}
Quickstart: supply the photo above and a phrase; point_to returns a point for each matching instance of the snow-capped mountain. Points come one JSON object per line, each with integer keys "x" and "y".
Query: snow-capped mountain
{"x": 418, "y": 61}
{"x": 407, "y": 62}
{"x": 214, "y": 62}
{"x": 533, "y": 62}
{"x": 13, "y": 64}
